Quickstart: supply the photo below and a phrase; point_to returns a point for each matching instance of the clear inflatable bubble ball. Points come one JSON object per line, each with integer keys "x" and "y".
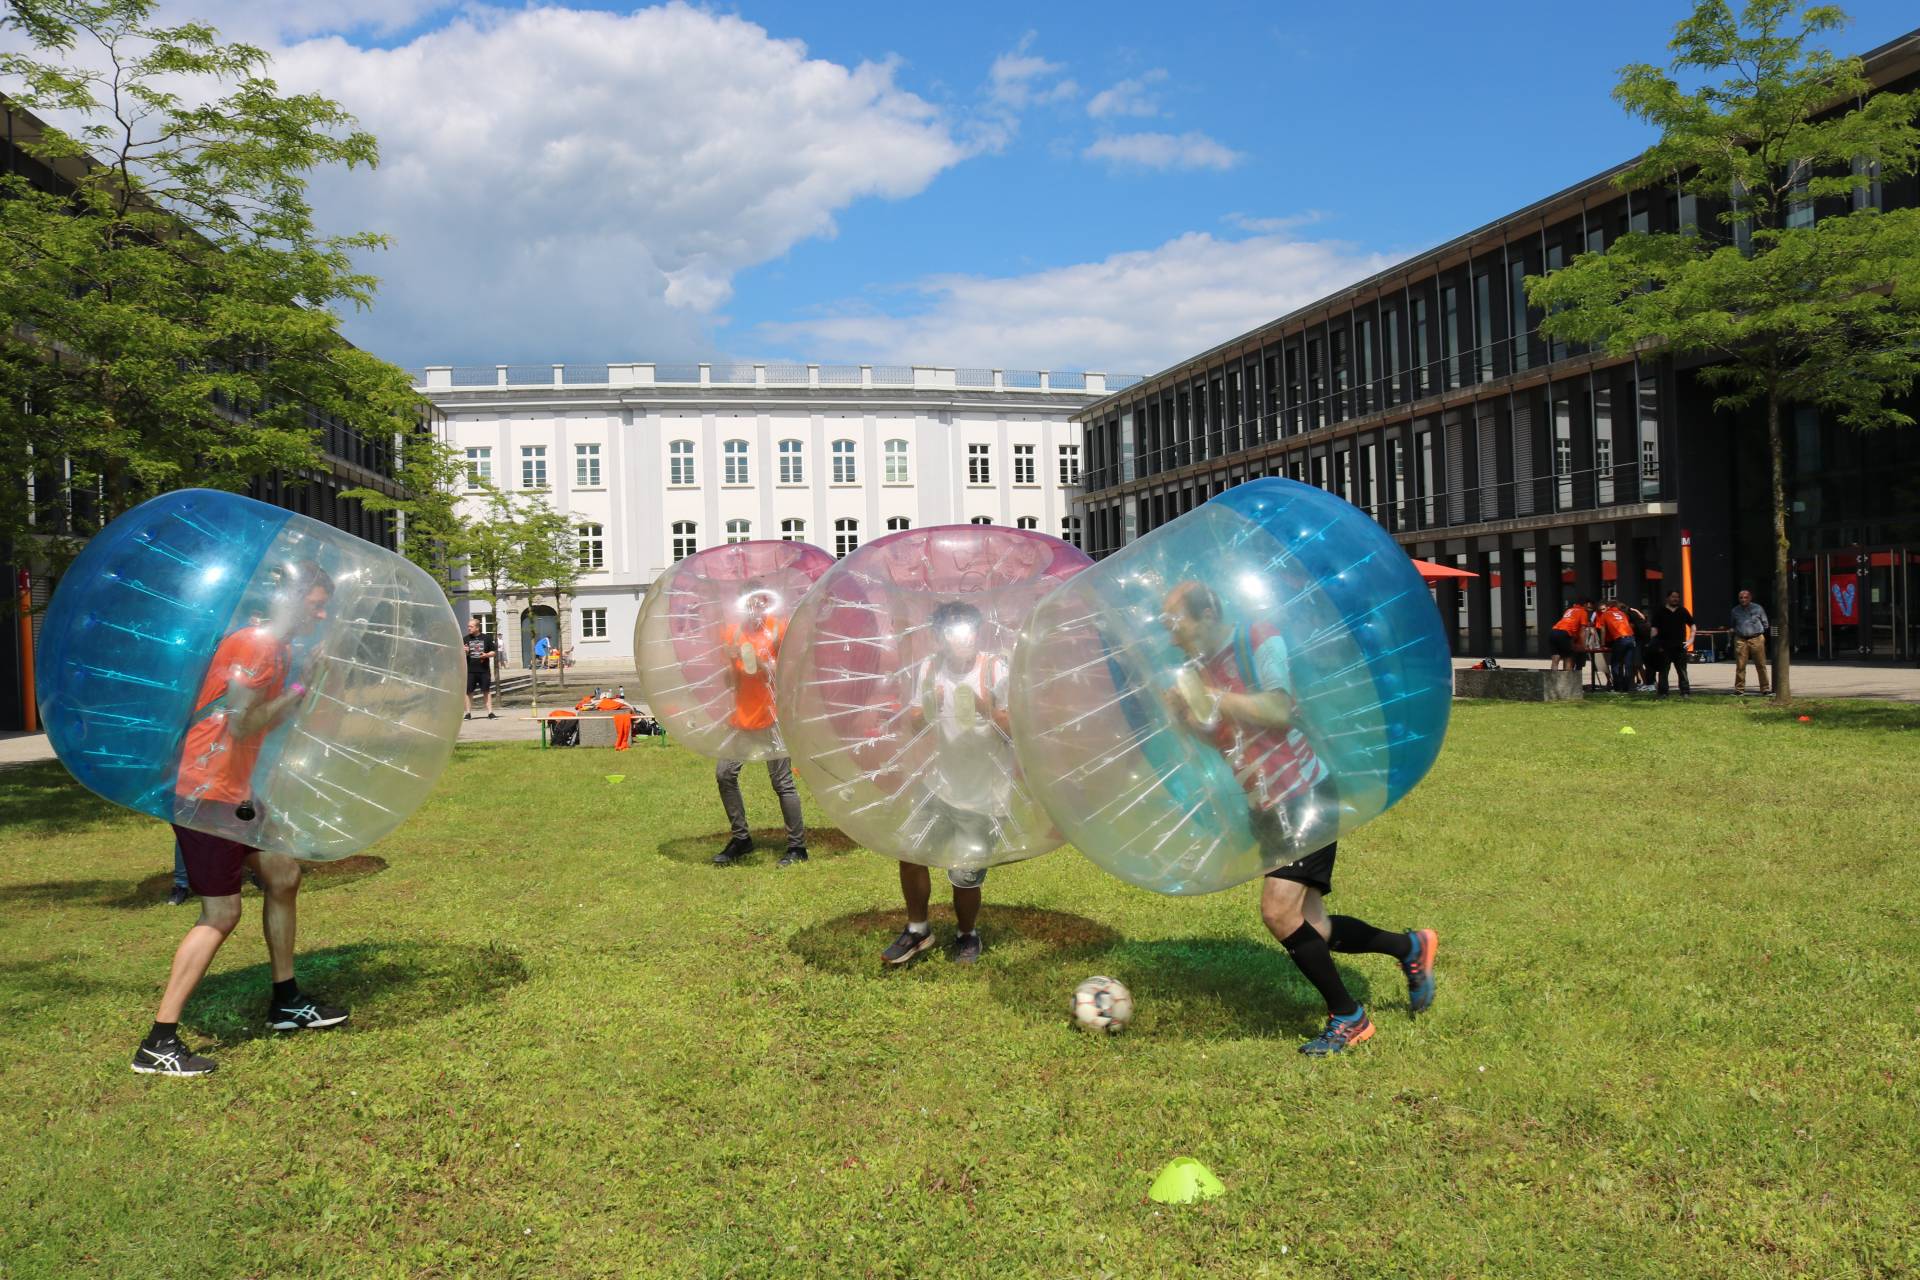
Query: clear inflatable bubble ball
{"x": 895, "y": 697}
{"x": 1232, "y": 691}
{"x": 711, "y": 639}
{"x": 251, "y": 673}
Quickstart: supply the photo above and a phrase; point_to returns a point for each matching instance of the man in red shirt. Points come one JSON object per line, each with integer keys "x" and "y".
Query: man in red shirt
{"x": 752, "y": 648}
{"x": 244, "y": 696}
{"x": 1236, "y": 696}
{"x": 1616, "y": 632}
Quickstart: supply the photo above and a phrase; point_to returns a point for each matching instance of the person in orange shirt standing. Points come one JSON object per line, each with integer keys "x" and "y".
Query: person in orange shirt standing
{"x": 753, "y": 647}
{"x": 244, "y": 696}
{"x": 1565, "y": 637}
{"x": 1616, "y": 629}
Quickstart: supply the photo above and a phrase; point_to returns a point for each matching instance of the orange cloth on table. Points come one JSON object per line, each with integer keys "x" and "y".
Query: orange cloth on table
{"x": 585, "y": 703}
{"x": 213, "y": 764}
{"x": 622, "y": 722}
{"x": 753, "y": 694}
{"x": 1573, "y": 621}
{"x": 1614, "y": 623}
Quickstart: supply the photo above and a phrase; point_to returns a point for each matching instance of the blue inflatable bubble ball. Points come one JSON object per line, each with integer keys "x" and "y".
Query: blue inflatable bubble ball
{"x": 1233, "y": 690}
{"x": 247, "y": 672}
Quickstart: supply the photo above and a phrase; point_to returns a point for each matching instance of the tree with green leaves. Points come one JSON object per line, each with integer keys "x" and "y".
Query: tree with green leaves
{"x": 489, "y": 547}
{"x": 548, "y": 561}
{"x": 167, "y": 307}
{"x": 433, "y": 529}
{"x": 1790, "y": 310}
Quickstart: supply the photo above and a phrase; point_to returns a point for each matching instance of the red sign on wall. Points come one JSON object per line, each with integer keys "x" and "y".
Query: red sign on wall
{"x": 1843, "y": 600}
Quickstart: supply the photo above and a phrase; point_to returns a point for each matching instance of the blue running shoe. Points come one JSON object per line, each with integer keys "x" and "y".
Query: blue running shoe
{"x": 1419, "y": 969}
{"x": 1339, "y": 1035}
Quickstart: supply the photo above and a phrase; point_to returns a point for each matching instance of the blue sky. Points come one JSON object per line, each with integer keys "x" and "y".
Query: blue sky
{"x": 1108, "y": 186}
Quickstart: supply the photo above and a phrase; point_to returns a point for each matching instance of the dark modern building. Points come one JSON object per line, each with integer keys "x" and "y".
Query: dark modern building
{"x": 1426, "y": 396}
{"x": 350, "y": 460}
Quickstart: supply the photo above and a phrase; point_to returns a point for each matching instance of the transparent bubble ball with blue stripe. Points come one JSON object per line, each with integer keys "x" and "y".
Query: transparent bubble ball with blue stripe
{"x": 1233, "y": 691}
{"x": 246, "y": 671}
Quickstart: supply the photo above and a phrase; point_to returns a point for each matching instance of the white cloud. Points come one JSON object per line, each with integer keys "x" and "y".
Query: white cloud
{"x": 582, "y": 185}
{"x": 1020, "y": 79}
{"x": 1128, "y": 97}
{"x": 1272, "y": 226}
{"x": 1136, "y": 312}
{"x": 1191, "y": 150}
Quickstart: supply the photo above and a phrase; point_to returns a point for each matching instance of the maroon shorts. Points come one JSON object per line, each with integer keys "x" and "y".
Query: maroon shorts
{"x": 215, "y": 865}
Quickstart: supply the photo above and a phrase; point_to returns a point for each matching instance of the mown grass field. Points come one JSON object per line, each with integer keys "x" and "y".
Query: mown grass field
{"x": 1675, "y": 1036}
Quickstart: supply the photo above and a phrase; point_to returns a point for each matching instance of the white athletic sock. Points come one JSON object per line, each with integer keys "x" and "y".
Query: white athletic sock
{"x": 917, "y": 927}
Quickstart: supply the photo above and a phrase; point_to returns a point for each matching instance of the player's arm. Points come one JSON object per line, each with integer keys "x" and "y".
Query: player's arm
{"x": 249, "y": 713}
{"x": 1265, "y": 709}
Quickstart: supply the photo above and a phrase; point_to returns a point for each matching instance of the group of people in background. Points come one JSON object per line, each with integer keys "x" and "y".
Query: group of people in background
{"x": 1644, "y": 647}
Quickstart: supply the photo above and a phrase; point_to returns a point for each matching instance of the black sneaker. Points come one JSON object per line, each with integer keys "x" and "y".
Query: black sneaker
{"x": 179, "y": 896}
{"x": 469, "y": 715}
{"x": 305, "y": 1014}
{"x": 170, "y": 1058}
{"x": 492, "y": 716}
{"x": 736, "y": 849}
{"x": 907, "y": 948}
{"x": 965, "y": 948}
{"x": 792, "y": 856}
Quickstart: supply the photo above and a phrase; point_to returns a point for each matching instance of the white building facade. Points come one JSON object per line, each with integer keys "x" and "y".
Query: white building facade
{"x": 654, "y": 462}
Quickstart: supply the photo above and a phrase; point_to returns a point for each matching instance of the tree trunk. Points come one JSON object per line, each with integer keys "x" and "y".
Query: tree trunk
{"x": 1782, "y": 607}
{"x": 560, "y": 633}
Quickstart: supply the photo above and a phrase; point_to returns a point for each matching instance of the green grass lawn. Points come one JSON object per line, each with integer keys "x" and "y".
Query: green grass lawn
{"x": 1675, "y": 1035}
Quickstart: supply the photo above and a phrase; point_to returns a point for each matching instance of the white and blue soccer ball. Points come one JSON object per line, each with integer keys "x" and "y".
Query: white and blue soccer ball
{"x": 1102, "y": 1004}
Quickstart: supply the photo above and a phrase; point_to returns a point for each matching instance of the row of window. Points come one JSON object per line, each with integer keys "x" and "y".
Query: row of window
{"x": 737, "y": 469}
{"x": 846, "y": 532}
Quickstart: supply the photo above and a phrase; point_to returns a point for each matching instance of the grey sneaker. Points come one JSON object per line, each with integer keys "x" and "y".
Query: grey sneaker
{"x": 907, "y": 948}
{"x": 169, "y": 1057}
{"x": 965, "y": 948}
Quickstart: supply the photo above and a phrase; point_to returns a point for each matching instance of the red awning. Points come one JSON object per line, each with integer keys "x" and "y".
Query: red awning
{"x": 1610, "y": 572}
{"x": 1431, "y": 571}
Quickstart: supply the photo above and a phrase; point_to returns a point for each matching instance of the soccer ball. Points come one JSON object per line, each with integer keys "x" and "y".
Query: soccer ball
{"x": 1102, "y": 1004}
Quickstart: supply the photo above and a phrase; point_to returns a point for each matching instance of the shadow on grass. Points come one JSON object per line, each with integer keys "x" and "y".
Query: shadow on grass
{"x": 851, "y": 944}
{"x": 42, "y": 796}
{"x": 1873, "y": 717}
{"x": 318, "y": 876}
{"x": 26, "y": 985}
{"x": 385, "y": 984}
{"x": 1183, "y": 988}
{"x": 769, "y": 843}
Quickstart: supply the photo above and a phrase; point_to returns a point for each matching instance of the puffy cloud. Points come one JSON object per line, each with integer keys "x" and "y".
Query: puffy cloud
{"x": 582, "y": 185}
{"x": 1191, "y": 150}
{"x": 1137, "y": 312}
{"x": 1019, "y": 78}
{"x": 1127, "y": 98}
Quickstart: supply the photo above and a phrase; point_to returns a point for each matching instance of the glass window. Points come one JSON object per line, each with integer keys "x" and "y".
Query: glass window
{"x": 793, "y": 530}
{"x": 1603, "y": 441}
{"x": 1517, "y": 287}
{"x": 1070, "y": 530}
{"x": 1390, "y": 332}
{"x": 739, "y": 531}
{"x": 793, "y": 458}
{"x": 898, "y": 524}
{"x": 685, "y": 539}
{"x": 593, "y": 624}
{"x": 533, "y": 466}
{"x": 1483, "y": 325}
{"x": 1422, "y": 372}
{"x": 1363, "y": 401}
{"x": 1026, "y": 522}
{"x": 896, "y": 458}
{"x": 734, "y": 455}
{"x": 1563, "y": 451}
{"x": 680, "y": 462}
{"x": 979, "y": 464}
{"x": 593, "y": 545}
{"x": 981, "y": 520}
{"x": 846, "y": 535}
{"x": 844, "y": 470}
{"x": 1343, "y": 473}
{"x": 479, "y": 467}
{"x": 1649, "y": 439}
{"x": 1023, "y": 464}
{"x": 586, "y": 466}
{"x": 1069, "y": 464}
{"x": 1449, "y": 333}
{"x": 1318, "y": 469}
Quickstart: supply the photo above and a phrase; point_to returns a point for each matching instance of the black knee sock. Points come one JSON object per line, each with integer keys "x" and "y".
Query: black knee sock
{"x": 1353, "y": 936}
{"x": 1309, "y": 951}
{"x": 284, "y": 992}
{"x": 163, "y": 1031}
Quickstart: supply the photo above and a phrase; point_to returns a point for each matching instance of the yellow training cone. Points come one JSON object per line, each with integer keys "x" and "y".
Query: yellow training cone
{"x": 1185, "y": 1181}
{"x": 1627, "y": 728}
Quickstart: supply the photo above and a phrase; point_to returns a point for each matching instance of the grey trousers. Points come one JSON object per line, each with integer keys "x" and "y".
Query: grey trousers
{"x": 780, "y": 773}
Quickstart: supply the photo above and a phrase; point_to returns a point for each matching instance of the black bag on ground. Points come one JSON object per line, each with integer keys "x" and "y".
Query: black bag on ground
{"x": 564, "y": 733}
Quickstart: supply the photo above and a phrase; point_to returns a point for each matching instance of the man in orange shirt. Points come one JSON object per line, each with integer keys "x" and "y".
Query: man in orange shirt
{"x": 244, "y": 696}
{"x": 752, "y": 648}
{"x": 1565, "y": 636}
{"x": 1616, "y": 629}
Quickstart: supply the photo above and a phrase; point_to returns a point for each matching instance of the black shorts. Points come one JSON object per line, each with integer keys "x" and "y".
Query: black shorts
{"x": 1561, "y": 643}
{"x": 1282, "y": 828}
{"x": 479, "y": 677}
